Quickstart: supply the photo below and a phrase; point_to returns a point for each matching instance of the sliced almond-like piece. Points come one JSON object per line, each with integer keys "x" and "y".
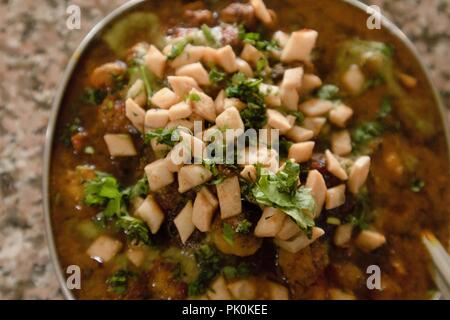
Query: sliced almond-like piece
{"x": 195, "y": 71}
{"x": 299, "y": 134}
{"x": 230, "y": 119}
{"x": 341, "y": 143}
{"x": 343, "y": 235}
{"x": 191, "y": 176}
{"x": 182, "y": 85}
{"x": 251, "y": 54}
{"x": 156, "y": 61}
{"x": 165, "y": 98}
{"x": 292, "y": 78}
{"x": 288, "y": 230}
{"x": 335, "y": 197}
{"x": 270, "y": 223}
{"x": 315, "y": 107}
{"x": 340, "y": 115}
{"x": 156, "y": 118}
{"x": 334, "y": 167}
{"x": 301, "y": 241}
{"x": 301, "y": 151}
{"x": 299, "y": 46}
{"x": 353, "y": 79}
{"x": 151, "y": 213}
{"x": 227, "y": 59}
{"x": 315, "y": 124}
{"x": 135, "y": 114}
{"x": 205, "y": 205}
{"x": 277, "y": 120}
{"x": 261, "y": 11}
{"x": 229, "y": 194}
{"x": 158, "y": 174}
{"x": 316, "y": 183}
{"x": 183, "y": 222}
{"x": 104, "y": 248}
{"x": 358, "y": 174}
{"x": 204, "y": 106}
{"x": 120, "y": 145}
{"x": 369, "y": 240}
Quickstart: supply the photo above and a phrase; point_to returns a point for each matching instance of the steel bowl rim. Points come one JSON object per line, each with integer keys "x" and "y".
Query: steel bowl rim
{"x": 73, "y": 61}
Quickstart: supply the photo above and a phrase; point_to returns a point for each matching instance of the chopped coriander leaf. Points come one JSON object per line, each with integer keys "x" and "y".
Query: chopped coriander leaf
{"x": 242, "y": 270}
{"x": 361, "y": 215}
{"x": 417, "y": 185}
{"x": 261, "y": 66}
{"x": 244, "y": 227}
{"x": 118, "y": 282}
{"x": 228, "y": 233}
{"x": 328, "y": 92}
{"x": 69, "y": 130}
{"x": 177, "y": 49}
{"x": 299, "y": 116}
{"x": 193, "y": 97}
{"x": 148, "y": 79}
{"x": 385, "y": 108}
{"x": 210, "y": 39}
{"x": 283, "y": 147}
{"x": 254, "y": 116}
{"x": 216, "y": 76}
{"x": 209, "y": 264}
{"x": 255, "y": 39}
{"x": 93, "y": 96}
{"x": 134, "y": 229}
{"x": 140, "y": 189}
{"x": 165, "y": 136}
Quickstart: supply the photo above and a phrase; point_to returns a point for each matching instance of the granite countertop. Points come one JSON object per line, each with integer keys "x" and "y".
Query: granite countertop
{"x": 35, "y": 45}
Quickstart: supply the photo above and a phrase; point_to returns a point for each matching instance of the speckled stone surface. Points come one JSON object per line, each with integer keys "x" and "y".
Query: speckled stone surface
{"x": 35, "y": 46}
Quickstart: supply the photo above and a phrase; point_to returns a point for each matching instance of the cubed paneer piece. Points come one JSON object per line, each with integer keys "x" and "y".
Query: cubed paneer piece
{"x": 136, "y": 254}
{"x": 229, "y": 194}
{"x": 334, "y": 167}
{"x": 230, "y": 119}
{"x": 301, "y": 151}
{"x": 220, "y": 102}
{"x": 341, "y": 143}
{"x": 137, "y": 93}
{"x": 233, "y": 102}
{"x": 104, "y": 248}
{"x": 288, "y": 230}
{"x": 209, "y": 56}
{"x": 219, "y": 290}
{"x": 156, "y": 118}
{"x": 270, "y": 223}
{"x": 261, "y": 11}
{"x": 156, "y": 61}
{"x": 249, "y": 173}
{"x": 165, "y": 98}
{"x": 183, "y": 222}
{"x": 310, "y": 82}
{"x": 244, "y": 67}
{"x": 300, "y": 241}
{"x": 316, "y": 107}
{"x": 180, "y": 110}
{"x": 194, "y": 146}
{"x": 272, "y": 95}
{"x": 191, "y": 176}
{"x": 289, "y": 98}
{"x": 195, "y": 71}
{"x": 203, "y": 106}
{"x": 315, "y": 124}
{"x": 281, "y": 38}
{"x": 182, "y": 85}
{"x": 251, "y": 54}
{"x": 316, "y": 183}
{"x": 242, "y": 289}
{"x": 205, "y": 205}
{"x": 299, "y": 134}
{"x": 190, "y": 54}
{"x": 340, "y": 115}
{"x": 292, "y": 78}
{"x": 120, "y": 145}
{"x": 150, "y": 212}
{"x": 335, "y": 197}
{"x": 353, "y": 79}
{"x": 343, "y": 235}
{"x": 369, "y": 240}
{"x": 358, "y": 174}
{"x": 277, "y": 291}
{"x": 227, "y": 59}
{"x": 135, "y": 114}
{"x": 277, "y": 120}
{"x": 299, "y": 46}
{"x": 188, "y": 124}
{"x": 158, "y": 174}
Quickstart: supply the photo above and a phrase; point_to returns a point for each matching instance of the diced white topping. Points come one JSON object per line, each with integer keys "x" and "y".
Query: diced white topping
{"x": 289, "y": 98}
{"x": 341, "y": 142}
{"x": 343, "y": 235}
{"x": 261, "y": 11}
{"x": 335, "y": 197}
{"x": 195, "y": 71}
{"x": 230, "y": 119}
{"x": 251, "y": 54}
{"x": 249, "y": 172}
{"x": 219, "y": 290}
{"x": 315, "y": 124}
{"x": 227, "y": 59}
{"x": 204, "y": 107}
{"x": 180, "y": 110}
{"x": 315, "y": 107}
{"x": 316, "y": 183}
{"x": 191, "y": 176}
{"x": 104, "y": 248}
{"x": 292, "y": 78}
{"x": 136, "y": 255}
{"x": 353, "y": 79}
{"x": 156, "y": 61}
{"x": 120, "y": 145}
{"x": 277, "y": 291}
{"x": 299, "y": 46}
{"x": 150, "y": 212}
{"x": 272, "y": 96}
{"x": 205, "y": 205}
{"x": 190, "y": 54}
{"x": 181, "y": 123}
{"x": 300, "y": 241}
{"x": 181, "y": 85}
{"x": 220, "y": 102}
{"x": 369, "y": 240}
{"x": 194, "y": 146}
{"x": 277, "y": 120}
{"x": 301, "y": 151}
{"x": 165, "y": 98}
{"x": 310, "y": 82}
{"x": 334, "y": 167}
{"x": 156, "y": 118}
{"x": 137, "y": 93}
{"x": 242, "y": 289}
{"x": 229, "y": 194}
{"x": 299, "y": 134}
{"x": 209, "y": 56}
{"x": 234, "y": 102}
{"x": 270, "y": 223}
{"x": 160, "y": 149}
{"x": 183, "y": 222}
{"x": 340, "y": 115}
{"x": 135, "y": 114}
{"x": 158, "y": 174}
{"x": 288, "y": 230}
{"x": 281, "y": 38}
{"x": 244, "y": 67}
{"x": 358, "y": 174}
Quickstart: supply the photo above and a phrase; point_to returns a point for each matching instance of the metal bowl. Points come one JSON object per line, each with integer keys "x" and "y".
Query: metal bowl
{"x": 97, "y": 30}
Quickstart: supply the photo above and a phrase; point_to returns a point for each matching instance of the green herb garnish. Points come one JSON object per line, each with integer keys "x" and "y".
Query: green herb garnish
{"x": 417, "y": 185}
{"x": 165, "y": 136}
{"x": 328, "y": 92}
{"x": 177, "y": 49}
{"x": 118, "y": 282}
{"x": 228, "y": 233}
{"x": 209, "y": 264}
{"x": 244, "y": 227}
{"x": 242, "y": 270}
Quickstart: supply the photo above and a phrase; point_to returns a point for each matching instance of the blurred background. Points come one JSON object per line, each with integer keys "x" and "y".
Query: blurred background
{"x": 35, "y": 45}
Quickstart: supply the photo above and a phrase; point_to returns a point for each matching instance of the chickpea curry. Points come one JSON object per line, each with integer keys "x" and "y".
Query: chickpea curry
{"x": 354, "y": 169}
